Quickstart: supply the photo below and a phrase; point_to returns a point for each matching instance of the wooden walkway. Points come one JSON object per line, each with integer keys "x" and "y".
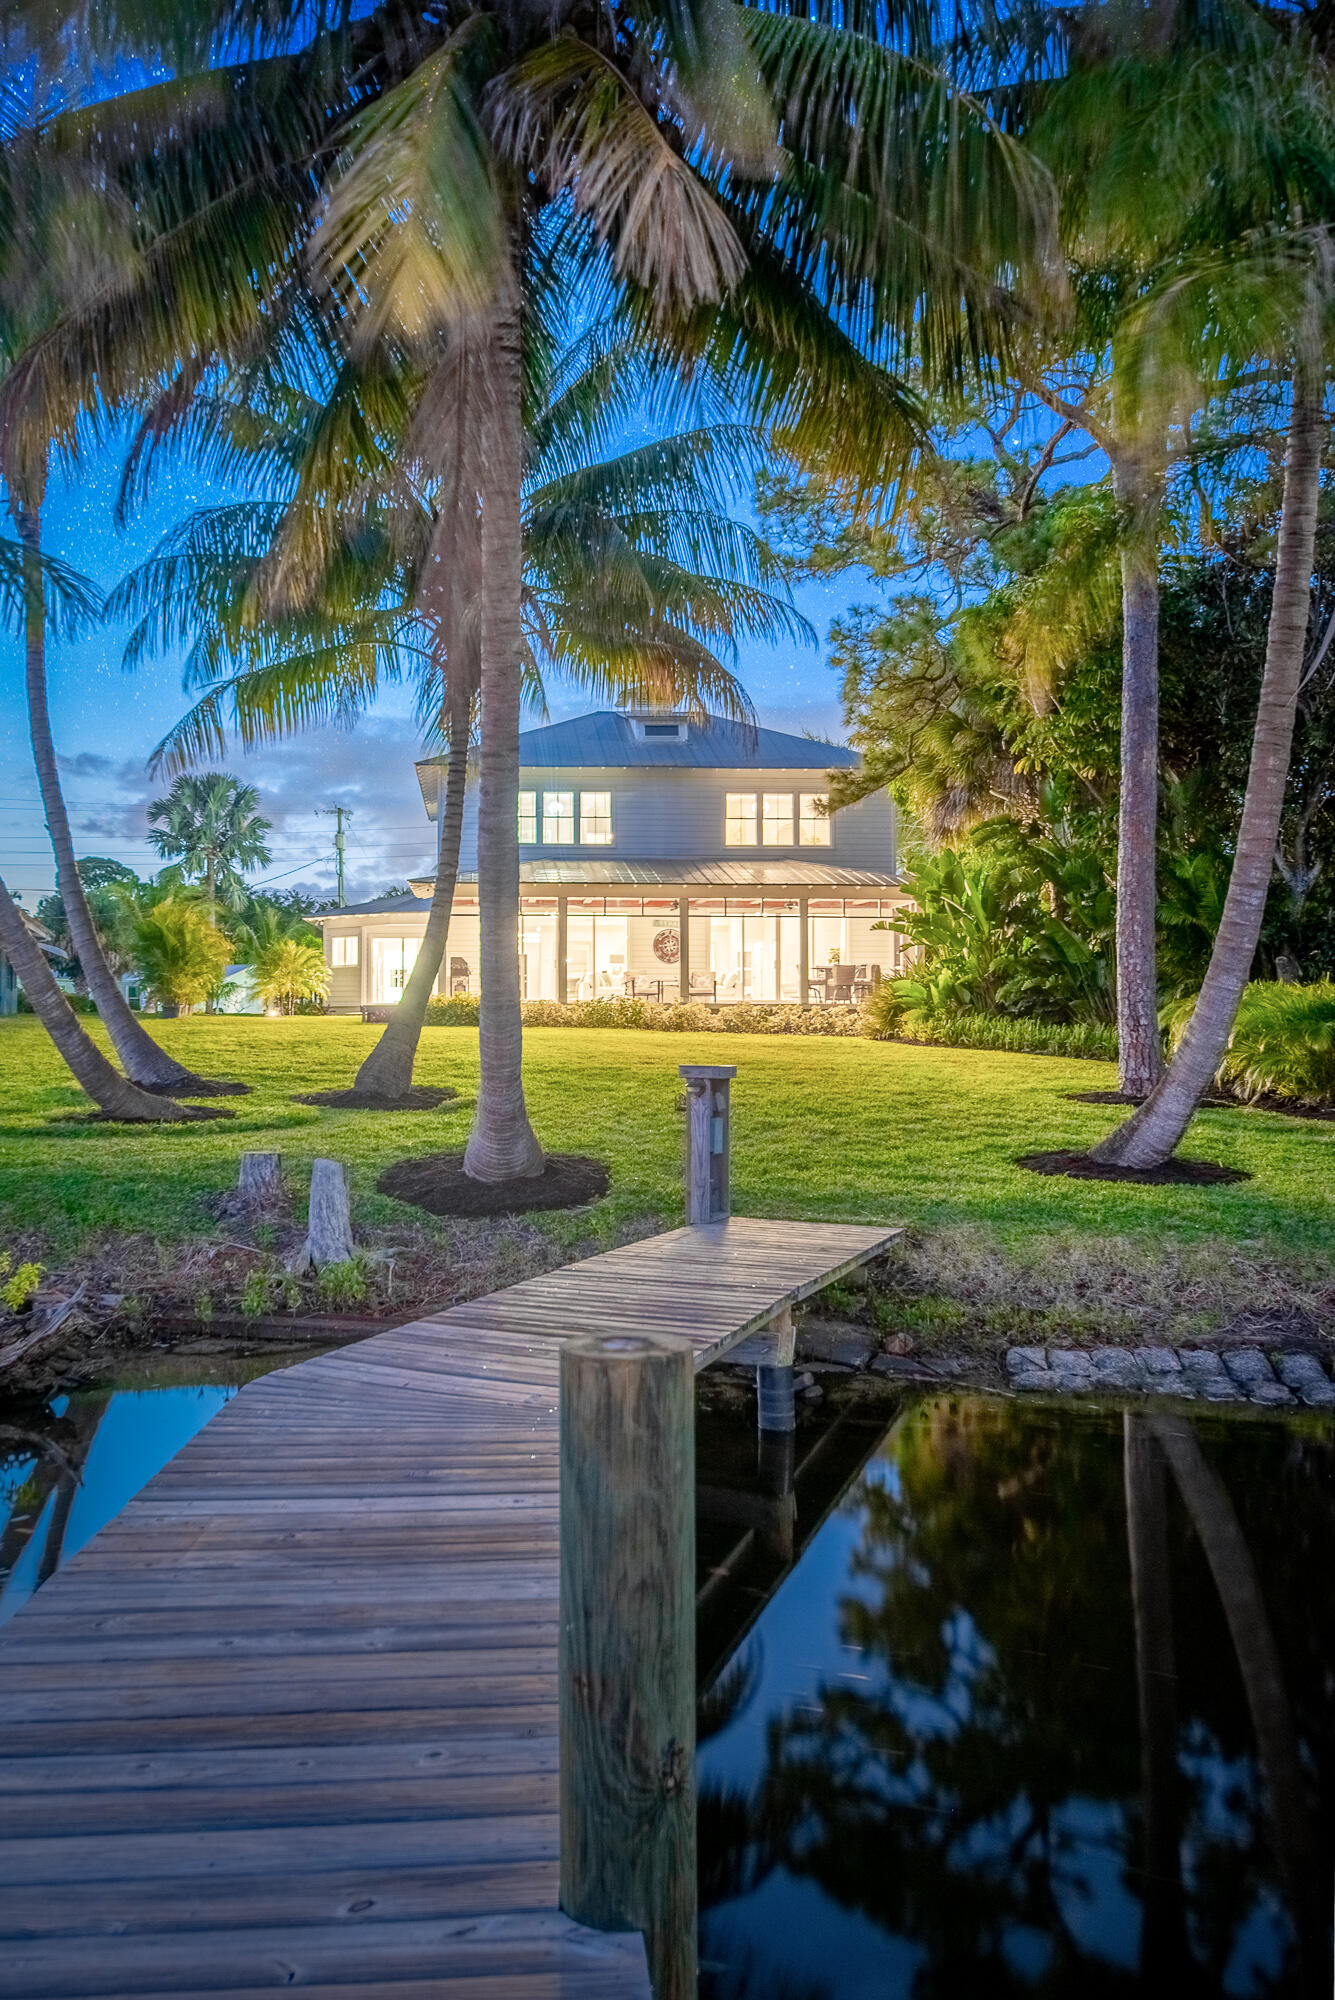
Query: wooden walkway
{"x": 290, "y": 1719}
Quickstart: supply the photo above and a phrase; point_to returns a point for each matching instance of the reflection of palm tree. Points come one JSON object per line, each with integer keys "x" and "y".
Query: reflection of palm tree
{"x": 62, "y": 1454}
{"x": 1164, "y": 1956}
{"x": 1235, "y": 1578}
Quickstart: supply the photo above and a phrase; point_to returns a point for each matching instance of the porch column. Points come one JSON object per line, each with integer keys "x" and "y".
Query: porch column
{"x": 803, "y": 949}
{"x": 562, "y": 950}
{"x": 363, "y": 966}
{"x": 684, "y": 954}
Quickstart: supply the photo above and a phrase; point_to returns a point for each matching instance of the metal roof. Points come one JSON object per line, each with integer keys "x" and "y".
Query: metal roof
{"x": 726, "y": 875}
{"x": 606, "y": 740}
{"x": 379, "y": 906}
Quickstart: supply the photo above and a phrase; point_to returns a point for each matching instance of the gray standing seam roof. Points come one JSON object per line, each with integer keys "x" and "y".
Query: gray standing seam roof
{"x": 607, "y": 738}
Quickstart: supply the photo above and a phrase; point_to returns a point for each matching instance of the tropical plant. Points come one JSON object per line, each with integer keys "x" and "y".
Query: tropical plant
{"x": 115, "y": 1096}
{"x": 288, "y": 971}
{"x": 179, "y": 952}
{"x": 211, "y": 826}
{"x": 1282, "y": 1043}
{"x": 60, "y": 240}
{"x": 637, "y": 585}
{"x": 101, "y": 879}
{"x": 1015, "y": 924}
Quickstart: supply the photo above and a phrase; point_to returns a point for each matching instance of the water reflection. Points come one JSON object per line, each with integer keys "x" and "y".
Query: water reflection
{"x": 65, "y": 1470}
{"x": 1044, "y": 1709}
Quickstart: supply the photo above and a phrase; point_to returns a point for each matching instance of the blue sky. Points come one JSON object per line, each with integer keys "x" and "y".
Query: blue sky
{"x": 106, "y": 723}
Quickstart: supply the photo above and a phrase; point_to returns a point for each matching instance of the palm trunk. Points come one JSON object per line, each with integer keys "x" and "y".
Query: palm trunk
{"x": 1138, "y": 1045}
{"x": 388, "y": 1070}
{"x": 1149, "y": 1137}
{"x": 1164, "y": 1953}
{"x": 502, "y": 1144}
{"x": 1262, "y": 1670}
{"x": 211, "y": 897}
{"x": 145, "y": 1063}
{"x": 110, "y": 1091}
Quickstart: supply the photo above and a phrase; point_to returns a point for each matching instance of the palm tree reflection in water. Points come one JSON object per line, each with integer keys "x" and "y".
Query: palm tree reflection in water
{"x": 1044, "y": 1710}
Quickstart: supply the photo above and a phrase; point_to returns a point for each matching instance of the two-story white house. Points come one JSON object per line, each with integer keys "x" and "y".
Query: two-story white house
{"x": 660, "y": 856}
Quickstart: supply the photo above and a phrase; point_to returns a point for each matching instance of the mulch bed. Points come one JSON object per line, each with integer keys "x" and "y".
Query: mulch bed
{"x": 200, "y": 1086}
{"x": 439, "y": 1184}
{"x": 1173, "y": 1173}
{"x": 420, "y": 1097}
{"x": 1214, "y": 1102}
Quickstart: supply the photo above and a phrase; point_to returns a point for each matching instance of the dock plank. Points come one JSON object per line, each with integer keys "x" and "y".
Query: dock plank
{"x": 290, "y": 1719}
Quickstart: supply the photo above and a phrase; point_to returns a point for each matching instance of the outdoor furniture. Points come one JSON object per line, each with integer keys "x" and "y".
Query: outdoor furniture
{"x": 643, "y": 988}
{"x": 840, "y": 988}
{"x": 704, "y": 986}
{"x": 818, "y": 984}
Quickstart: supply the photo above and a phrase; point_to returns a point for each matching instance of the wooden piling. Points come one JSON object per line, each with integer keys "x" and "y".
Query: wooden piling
{"x": 627, "y": 1646}
{"x": 708, "y": 1140}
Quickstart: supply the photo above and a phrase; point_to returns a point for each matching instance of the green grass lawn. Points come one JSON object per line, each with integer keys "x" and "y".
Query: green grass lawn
{"x": 835, "y": 1129}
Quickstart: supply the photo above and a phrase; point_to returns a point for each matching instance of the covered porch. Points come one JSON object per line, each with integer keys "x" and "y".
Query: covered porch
{"x": 724, "y": 942}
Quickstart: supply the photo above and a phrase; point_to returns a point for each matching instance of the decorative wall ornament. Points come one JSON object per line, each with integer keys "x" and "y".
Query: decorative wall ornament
{"x": 667, "y": 947}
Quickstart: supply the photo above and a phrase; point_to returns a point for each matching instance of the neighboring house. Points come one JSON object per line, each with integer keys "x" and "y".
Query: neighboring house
{"x": 9, "y": 979}
{"x": 662, "y": 857}
{"x": 238, "y": 994}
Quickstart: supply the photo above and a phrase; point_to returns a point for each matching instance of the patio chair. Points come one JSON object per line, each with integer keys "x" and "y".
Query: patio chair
{"x": 818, "y": 983}
{"x": 842, "y": 978}
{"x": 704, "y": 986}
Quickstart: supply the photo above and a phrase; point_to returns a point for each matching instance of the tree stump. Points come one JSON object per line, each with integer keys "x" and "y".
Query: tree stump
{"x": 259, "y": 1180}
{"x": 329, "y": 1227}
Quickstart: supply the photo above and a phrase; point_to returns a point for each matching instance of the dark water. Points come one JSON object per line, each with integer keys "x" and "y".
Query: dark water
{"x": 959, "y": 1754}
{"x": 66, "y": 1469}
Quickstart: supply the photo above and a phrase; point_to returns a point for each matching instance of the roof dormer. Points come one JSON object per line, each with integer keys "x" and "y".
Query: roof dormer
{"x": 659, "y": 728}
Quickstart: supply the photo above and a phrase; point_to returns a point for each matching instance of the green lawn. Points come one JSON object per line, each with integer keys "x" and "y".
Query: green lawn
{"x": 840, "y": 1129}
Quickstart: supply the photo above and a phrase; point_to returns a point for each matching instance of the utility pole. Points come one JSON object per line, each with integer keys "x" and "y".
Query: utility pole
{"x": 338, "y": 813}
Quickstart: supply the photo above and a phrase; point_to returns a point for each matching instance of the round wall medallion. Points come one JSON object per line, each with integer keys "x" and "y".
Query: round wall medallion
{"x": 667, "y": 947}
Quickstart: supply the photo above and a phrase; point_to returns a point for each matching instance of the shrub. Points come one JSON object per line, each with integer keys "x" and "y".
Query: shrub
{"x": 178, "y": 953}
{"x": 19, "y": 1286}
{"x": 891, "y": 1015}
{"x": 458, "y": 1011}
{"x": 1282, "y": 1045}
{"x": 345, "y": 1284}
{"x": 672, "y": 1016}
{"x": 288, "y": 973}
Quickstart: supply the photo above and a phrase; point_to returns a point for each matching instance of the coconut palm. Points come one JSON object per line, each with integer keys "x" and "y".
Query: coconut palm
{"x": 526, "y": 151}
{"x": 58, "y": 241}
{"x": 636, "y": 580}
{"x": 113, "y": 1094}
{"x": 210, "y": 824}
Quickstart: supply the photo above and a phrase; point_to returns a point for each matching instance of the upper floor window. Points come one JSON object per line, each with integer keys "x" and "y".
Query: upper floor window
{"x": 739, "y": 819}
{"x": 558, "y": 818}
{"x": 776, "y": 819}
{"x": 528, "y": 818}
{"x": 813, "y": 822}
{"x": 343, "y": 950}
{"x": 595, "y": 819}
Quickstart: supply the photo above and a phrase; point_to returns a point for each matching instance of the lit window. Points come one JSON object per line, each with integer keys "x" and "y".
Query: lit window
{"x": 777, "y": 819}
{"x": 558, "y": 818}
{"x": 528, "y": 818}
{"x": 813, "y": 824}
{"x": 595, "y": 819}
{"x": 739, "y": 819}
{"x": 344, "y": 950}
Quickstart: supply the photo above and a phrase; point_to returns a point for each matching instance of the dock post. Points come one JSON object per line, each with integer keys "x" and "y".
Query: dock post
{"x": 775, "y": 1401}
{"x": 627, "y": 1646}
{"x": 708, "y": 1140}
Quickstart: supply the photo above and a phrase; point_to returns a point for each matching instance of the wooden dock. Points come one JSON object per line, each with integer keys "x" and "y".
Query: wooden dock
{"x": 290, "y": 1719}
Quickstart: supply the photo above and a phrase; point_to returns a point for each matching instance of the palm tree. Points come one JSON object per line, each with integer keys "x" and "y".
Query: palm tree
{"x": 39, "y": 270}
{"x": 525, "y": 153}
{"x": 211, "y": 825}
{"x": 635, "y": 578}
{"x": 1153, "y": 1133}
{"x": 113, "y": 1094}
